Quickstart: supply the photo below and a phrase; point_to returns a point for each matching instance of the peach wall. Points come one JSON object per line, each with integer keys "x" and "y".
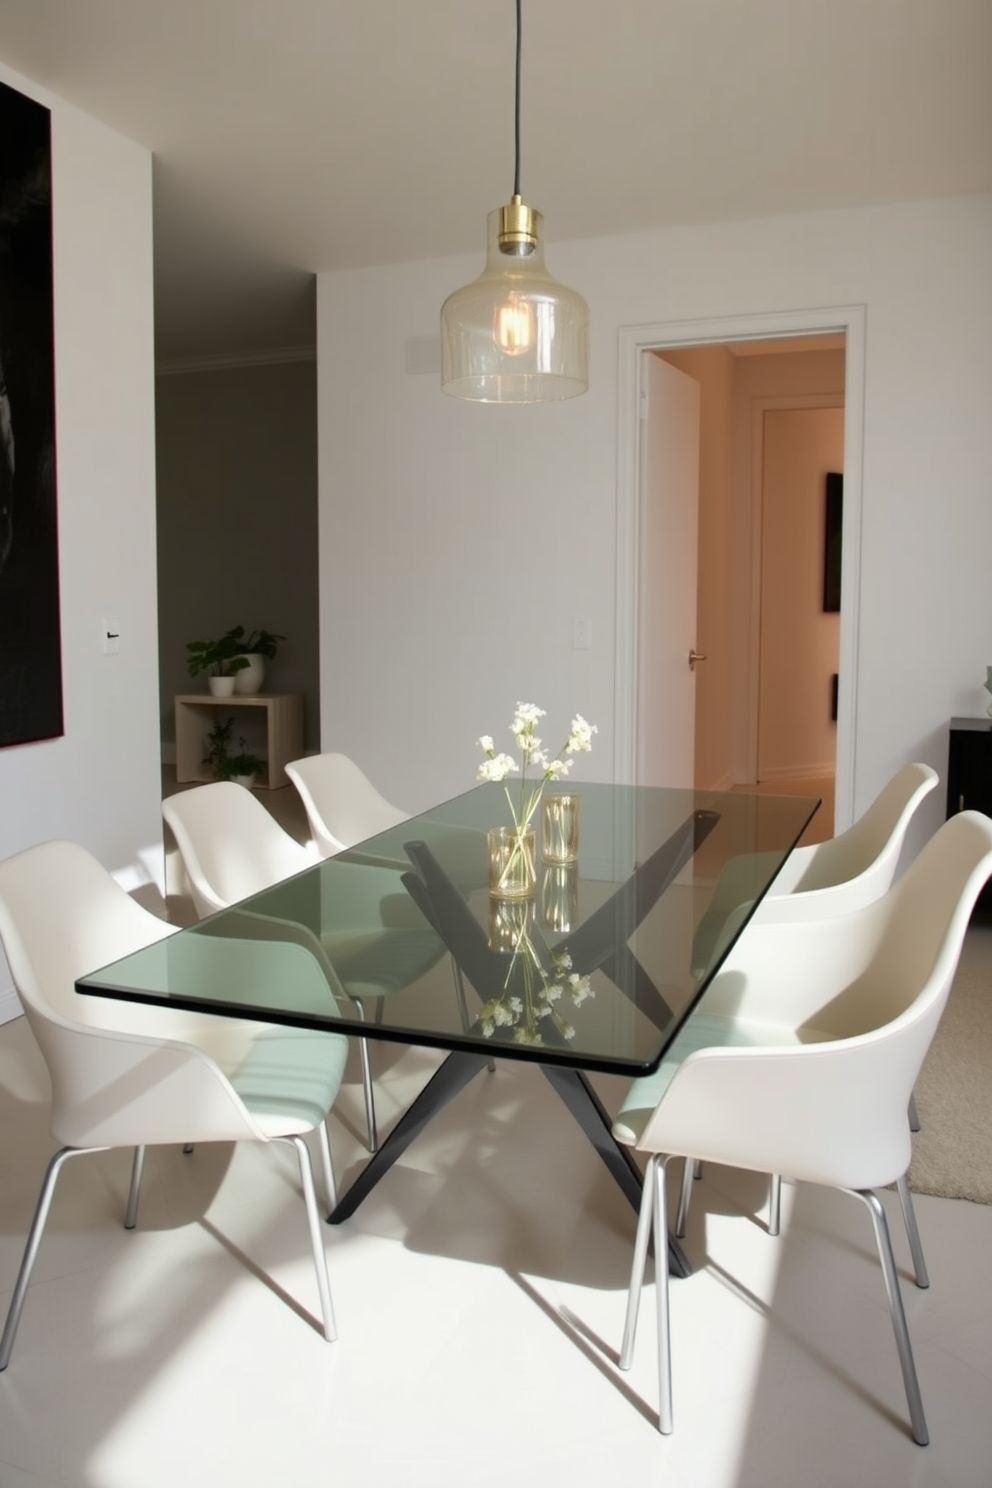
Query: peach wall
{"x": 798, "y": 650}
{"x": 713, "y": 368}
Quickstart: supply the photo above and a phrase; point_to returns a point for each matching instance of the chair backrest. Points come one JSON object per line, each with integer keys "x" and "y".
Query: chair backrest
{"x": 120, "y": 1074}
{"x": 230, "y": 845}
{"x": 864, "y": 993}
{"x": 342, "y": 805}
{"x": 860, "y": 863}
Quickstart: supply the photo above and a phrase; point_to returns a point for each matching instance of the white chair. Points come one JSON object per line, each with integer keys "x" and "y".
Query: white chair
{"x": 815, "y": 882}
{"x": 344, "y": 809}
{"x": 123, "y": 1075}
{"x": 824, "y": 878}
{"x": 232, "y": 848}
{"x": 801, "y": 1059}
{"x": 343, "y": 806}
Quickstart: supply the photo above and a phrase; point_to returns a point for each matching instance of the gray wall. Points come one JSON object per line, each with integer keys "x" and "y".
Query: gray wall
{"x": 237, "y": 522}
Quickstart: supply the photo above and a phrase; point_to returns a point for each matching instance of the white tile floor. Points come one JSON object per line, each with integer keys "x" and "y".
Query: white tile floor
{"x": 480, "y": 1294}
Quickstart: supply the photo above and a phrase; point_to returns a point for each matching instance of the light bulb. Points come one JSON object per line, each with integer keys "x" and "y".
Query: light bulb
{"x": 514, "y": 325}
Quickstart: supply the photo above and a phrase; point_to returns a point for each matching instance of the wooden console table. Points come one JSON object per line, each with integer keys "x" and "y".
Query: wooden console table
{"x": 283, "y": 731}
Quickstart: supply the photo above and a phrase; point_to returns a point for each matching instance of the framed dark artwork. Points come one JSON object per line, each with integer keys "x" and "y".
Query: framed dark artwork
{"x": 833, "y": 536}
{"x": 30, "y": 632}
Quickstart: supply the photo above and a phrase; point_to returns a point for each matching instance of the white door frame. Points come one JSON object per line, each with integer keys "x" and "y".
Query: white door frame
{"x": 632, "y": 341}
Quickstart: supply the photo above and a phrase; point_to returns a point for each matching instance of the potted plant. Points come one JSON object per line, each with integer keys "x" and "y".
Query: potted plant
{"x": 242, "y": 767}
{"x": 235, "y": 662}
{"x": 255, "y": 648}
{"x": 221, "y": 660}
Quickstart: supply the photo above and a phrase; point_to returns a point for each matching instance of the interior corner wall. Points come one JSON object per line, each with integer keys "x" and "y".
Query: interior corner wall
{"x": 100, "y": 783}
{"x": 237, "y": 525}
{"x": 459, "y": 542}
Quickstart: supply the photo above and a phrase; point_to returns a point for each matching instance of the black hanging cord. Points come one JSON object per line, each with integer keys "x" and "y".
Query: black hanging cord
{"x": 516, "y": 116}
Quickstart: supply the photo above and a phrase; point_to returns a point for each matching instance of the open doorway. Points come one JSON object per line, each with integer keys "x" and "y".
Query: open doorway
{"x": 730, "y": 705}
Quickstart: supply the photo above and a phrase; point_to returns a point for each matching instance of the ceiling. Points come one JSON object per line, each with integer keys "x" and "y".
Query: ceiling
{"x": 291, "y": 136}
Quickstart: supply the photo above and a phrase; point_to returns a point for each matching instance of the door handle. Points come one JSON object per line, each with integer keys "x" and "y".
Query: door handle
{"x": 695, "y": 656}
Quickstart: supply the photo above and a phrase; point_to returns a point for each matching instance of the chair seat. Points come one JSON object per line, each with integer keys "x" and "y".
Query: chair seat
{"x": 290, "y": 1078}
{"x": 383, "y": 961}
{"x": 701, "y": 1031}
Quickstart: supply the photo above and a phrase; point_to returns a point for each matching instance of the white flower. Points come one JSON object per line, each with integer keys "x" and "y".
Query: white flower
{"x": 524, "y": 1035}
{"x": 580, "y": 736}
{"x": 566, "y": 1030}
{"x": 496, "y": 768}
{"x": 579, "y": 989}
{"x": 526, "y": 717}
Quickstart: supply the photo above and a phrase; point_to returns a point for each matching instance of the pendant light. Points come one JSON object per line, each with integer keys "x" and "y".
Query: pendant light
{"x": 515, "y": 335}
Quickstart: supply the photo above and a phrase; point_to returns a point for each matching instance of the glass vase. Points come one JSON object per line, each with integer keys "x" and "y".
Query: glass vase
{"x": 560, "y": 897}
{"x": 510, "y": 923}
{"x": 560, "y": 829}
{"x": 511, "y": 863}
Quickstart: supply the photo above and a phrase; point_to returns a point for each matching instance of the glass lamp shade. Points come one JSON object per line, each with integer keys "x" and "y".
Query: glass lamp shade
{"x": 514, "y": 335}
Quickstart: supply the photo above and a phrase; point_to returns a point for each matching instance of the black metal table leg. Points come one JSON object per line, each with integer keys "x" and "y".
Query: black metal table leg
{"x": 453, "y": 1075}
{"x": 573, "y": 1087}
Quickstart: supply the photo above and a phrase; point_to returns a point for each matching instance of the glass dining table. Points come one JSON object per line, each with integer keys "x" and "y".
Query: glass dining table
{"x": 595, "y": 971}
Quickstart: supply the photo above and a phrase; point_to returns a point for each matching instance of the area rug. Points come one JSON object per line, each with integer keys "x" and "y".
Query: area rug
{"x": 952, "y": 1151}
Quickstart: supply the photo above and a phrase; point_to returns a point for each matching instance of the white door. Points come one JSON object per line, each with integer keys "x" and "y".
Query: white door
{"x": 666, "y": 626}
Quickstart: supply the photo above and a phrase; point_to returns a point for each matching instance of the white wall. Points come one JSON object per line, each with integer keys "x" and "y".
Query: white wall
{"x": 100, "y": 782}
{"x": 458, "y": 541}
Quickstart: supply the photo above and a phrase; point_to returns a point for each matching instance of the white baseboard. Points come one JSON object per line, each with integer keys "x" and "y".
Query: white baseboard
{"x": 800, "y": 772}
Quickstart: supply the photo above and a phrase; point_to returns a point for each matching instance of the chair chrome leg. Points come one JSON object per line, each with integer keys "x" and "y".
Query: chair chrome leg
{"x": 914, "y": 1399}
{"x": 327, "y": 1166}
{"x": 685, "y": 1194}
{"x": 363, "y": 1054}
{"x": 775, "y": 1204}
{"x": 316, "y": 1235}
{"x": 134, "y": 1193}
{"x": 914, "y": 1119}
{"x": 31, "y": 1247}
{"x": 660, "y": 1227}
{"x": 641, "y": 1242}
{"x": 912, "y": 1230}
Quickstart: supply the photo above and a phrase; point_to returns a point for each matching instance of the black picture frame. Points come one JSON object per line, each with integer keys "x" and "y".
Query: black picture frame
{"x": 833, "y": 541}
{"x": 30, "y": 625}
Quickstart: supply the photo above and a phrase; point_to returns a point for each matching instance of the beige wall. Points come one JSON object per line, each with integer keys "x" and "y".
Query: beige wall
{"x": 734, "y": 393}
{"x": 237, "y": 523}
{"x": 714, "y": 368}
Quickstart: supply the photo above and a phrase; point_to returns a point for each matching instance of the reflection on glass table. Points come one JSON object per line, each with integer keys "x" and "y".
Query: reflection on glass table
{"x": 596, "y": 972}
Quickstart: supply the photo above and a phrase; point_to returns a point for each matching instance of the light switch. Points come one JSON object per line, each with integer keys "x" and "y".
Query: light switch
{"x": 581, "y": 635}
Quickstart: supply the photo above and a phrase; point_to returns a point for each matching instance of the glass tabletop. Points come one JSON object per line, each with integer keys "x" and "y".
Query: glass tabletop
{"x": 597, "y": 969}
